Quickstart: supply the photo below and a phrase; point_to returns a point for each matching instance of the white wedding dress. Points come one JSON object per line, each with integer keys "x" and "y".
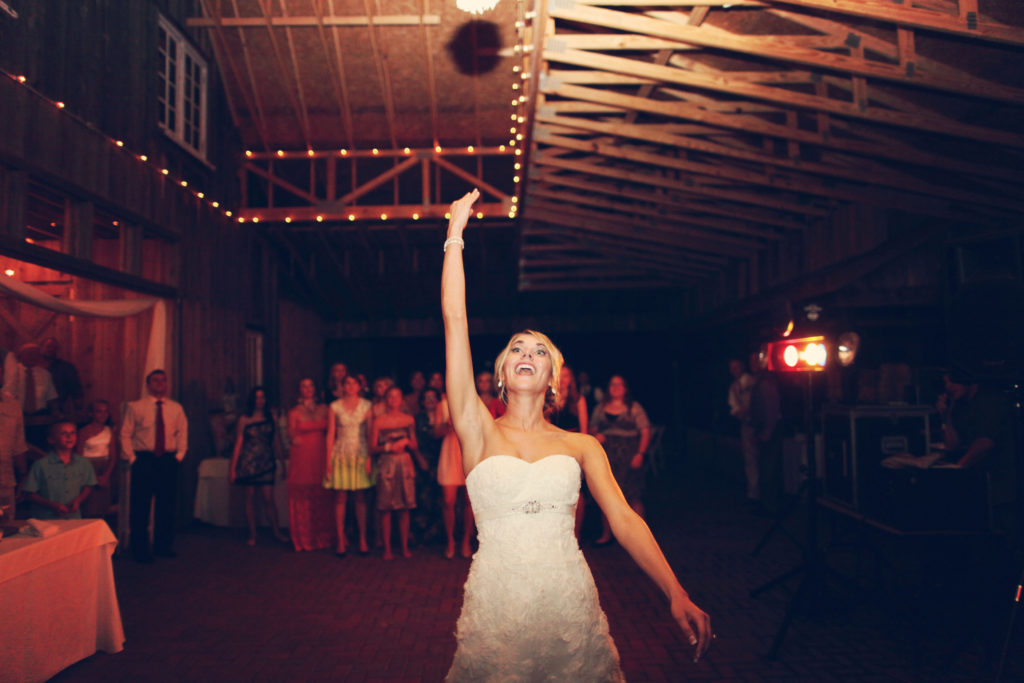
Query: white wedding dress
{"x": 530, "y": 611}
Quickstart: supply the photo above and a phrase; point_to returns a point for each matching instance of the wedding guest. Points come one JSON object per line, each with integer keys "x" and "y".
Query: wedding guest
{"x": 417, "y": 382}
{"x": 96, "y": 443}
{"x": 13, "y": 450}
{"x": 739, "y": 408}
{"x": 154, "y": 440}
{"x": 349, "y": 468}
{"x": 485, "y": 390}
{"x": 380, "y": 390}
{"x": 58, "y": 484}
{"x": 568, "y": 411}
{"x": 427, "y": 516}
{"x": 393, "y": 442}
{"x": 65, "y": 380}
{"x": 254, "y": 461}
{"x": 620, "y": 425}
{"x": 310, "y": 518}
{"x": 453, "y": 484}
{"x": 335, "y": 379}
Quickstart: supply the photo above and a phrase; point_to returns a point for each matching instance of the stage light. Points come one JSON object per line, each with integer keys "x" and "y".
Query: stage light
{"x": 846, "y": 350}
{"x": 808, "y": 354}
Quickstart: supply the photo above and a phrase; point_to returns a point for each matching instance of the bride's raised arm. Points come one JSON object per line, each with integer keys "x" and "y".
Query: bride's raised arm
{"x": 469, "y": 415}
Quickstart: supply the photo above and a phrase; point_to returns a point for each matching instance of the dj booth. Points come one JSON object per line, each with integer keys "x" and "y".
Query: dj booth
{"x": 938, "y": 498}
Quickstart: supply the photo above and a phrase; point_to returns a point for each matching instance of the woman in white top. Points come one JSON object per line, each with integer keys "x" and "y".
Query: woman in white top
{"x": 97, "y": 443}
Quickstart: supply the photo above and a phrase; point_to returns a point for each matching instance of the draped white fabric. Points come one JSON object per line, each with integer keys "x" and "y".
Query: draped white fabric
{"x": 156, "y": 352}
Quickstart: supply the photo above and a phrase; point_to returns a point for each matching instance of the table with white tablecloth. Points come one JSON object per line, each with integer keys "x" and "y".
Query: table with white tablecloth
{"x": 220, "y": 503}
{"x": 58, "y": 604}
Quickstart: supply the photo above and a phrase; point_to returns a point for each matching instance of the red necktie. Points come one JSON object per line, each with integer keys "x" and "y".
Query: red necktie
{"x": 158, "y": 441}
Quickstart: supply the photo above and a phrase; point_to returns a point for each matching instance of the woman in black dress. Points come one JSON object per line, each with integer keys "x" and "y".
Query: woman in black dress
{"x": 254, "y": 461}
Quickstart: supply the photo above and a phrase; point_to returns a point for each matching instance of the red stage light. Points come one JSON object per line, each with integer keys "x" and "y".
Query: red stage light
{"x": 808, "y": 354}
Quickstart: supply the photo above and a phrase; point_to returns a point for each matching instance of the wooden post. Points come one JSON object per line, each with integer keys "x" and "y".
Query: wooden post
{"x": 77, "y": 240}
{"x": 131, "y": 249}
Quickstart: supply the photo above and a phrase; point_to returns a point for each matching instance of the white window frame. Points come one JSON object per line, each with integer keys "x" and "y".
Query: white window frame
{"x": 174, "y": 83}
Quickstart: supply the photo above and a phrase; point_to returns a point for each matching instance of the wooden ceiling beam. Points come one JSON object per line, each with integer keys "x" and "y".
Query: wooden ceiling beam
{"x": 671, "y": 25}
{"x": 336, "y": 65}
{"x": 722, "y": 83}
{"x": 896, "y": 183}
{"x": 670, "y": 201}
{"x": 283, "y": 83}
{"x": 428, "y": 49}
{"x": 299, "y": 90}
{"x": 383, "y": 74}
{"x": 618, "y": 41}
{"x": 599, "y": 222}
{"x": 977, "y": 27}
{"x": 675, "y": 218}
{"x": 621, "y": 246}
{"x": 771, "y": 201}
{"x": 316, "y": 19}
{"x": 749, "y": 123}
{"x": 303, "y": 217}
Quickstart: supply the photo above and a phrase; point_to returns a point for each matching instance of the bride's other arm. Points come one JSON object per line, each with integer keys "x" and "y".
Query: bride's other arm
{"x": 633, "y": 534}
{"x": 466, "y": 409}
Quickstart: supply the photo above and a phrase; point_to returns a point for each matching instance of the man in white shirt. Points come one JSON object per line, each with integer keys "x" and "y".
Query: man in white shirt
{"x": 30, "y": 383}
{"x": 154, "y": 439}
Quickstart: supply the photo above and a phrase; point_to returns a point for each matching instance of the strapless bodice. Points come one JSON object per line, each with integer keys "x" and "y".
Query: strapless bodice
{"x": 525, "y": 510}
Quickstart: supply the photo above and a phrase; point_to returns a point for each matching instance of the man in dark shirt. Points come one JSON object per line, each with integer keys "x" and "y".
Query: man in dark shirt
{"x": 978, "y": 436}
{"x": 65, "y": 380}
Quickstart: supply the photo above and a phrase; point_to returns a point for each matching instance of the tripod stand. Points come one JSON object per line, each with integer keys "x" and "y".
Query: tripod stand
{"x": 813, "y": 568}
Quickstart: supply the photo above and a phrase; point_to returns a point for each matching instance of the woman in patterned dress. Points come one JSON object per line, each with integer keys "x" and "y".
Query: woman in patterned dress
{"x": 620, "y": 424}
{"x": 310, "y": 514}
{"x": 254, "y": 461}
{"x": 393, "y": 442}
{"x": 349, "y": 467}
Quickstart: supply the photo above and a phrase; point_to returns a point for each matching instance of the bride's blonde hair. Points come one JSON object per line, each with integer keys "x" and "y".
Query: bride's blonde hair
{"x": 553, "y": 353}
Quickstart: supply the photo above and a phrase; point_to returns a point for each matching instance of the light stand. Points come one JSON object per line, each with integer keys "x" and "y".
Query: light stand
{"x": 813, "y": 567}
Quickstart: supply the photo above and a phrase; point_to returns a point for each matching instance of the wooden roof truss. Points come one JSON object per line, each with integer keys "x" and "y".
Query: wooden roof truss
{"x": 679, "y": 131}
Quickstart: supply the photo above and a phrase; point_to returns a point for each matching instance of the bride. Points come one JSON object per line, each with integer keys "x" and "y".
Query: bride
{"x": 530, "y": 610}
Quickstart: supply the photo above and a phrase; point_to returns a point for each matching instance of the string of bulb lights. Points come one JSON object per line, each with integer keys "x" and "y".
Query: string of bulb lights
{"x": 513, "y": 147}
{"x": 143, "y": 159}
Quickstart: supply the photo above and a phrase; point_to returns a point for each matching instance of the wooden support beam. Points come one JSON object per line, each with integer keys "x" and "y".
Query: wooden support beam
{"x": 284, "y": 81}
{"x": 664, "y": 25}
{"x": 339, "y": 84}
{"x": 130, "y": 248}
{"x": 722, "y": 83}
{"x": 78, "y": 228}
{"x": 669, "y": 201}
{"x": 13, "y": 193}
{"x": 383, "y": 74}
{"x": 315, "y": 20}
{"x": 772, "y": 201}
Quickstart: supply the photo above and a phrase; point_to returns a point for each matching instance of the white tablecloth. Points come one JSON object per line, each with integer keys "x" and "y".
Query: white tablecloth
{"x": 221, "y": 504}
{"x": 58, "y": 604}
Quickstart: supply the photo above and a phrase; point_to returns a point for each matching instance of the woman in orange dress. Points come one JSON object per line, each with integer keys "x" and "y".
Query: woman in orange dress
{"x": 310, "y": 507}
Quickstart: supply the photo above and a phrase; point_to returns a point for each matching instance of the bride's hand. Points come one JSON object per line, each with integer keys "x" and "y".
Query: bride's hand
{"x": 461, "y": 209}
{"x": 696, "y": 624}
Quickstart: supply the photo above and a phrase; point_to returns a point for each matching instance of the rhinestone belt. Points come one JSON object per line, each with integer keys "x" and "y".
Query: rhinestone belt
{"x": 530, "y": 507}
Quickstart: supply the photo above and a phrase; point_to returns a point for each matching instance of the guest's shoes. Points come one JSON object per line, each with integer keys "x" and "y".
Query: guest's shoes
{"x": 388, "y": 556}
{"x": 340, "y": 554}
{"x": 165, "y": 553}
{"x": 467, "y": 552}
{"x": 449, "y": 552}
{"x": 364, "y": 549}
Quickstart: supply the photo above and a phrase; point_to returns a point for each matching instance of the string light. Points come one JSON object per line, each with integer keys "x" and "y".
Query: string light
{"x": 310, "y": 152}
{"x": 248, "y": 154}
{"x": 415, "y": 216}
{"x": 351, "y": 216}
{"x": 10, "y": 271}
{"x": 344, "y": 152}
{"x": 375, "y": 151}
{"x": 143, "y": 158}
{"x": 407, "y": 150}
{"x": 280, "y": 152}
{"x": 383, "y": 216}
{"x": 287, "y": 219}
{"x": 319, "y": 219}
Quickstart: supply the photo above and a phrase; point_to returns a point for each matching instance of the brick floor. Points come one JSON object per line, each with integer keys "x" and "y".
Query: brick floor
{"x": 222, "y": 611}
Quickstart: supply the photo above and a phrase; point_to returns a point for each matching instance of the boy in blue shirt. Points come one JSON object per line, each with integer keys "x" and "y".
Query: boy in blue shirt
{"x": 59, "y": 483}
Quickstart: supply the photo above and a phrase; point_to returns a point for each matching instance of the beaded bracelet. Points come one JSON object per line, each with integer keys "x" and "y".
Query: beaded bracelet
{"x": 454, "y": 240}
